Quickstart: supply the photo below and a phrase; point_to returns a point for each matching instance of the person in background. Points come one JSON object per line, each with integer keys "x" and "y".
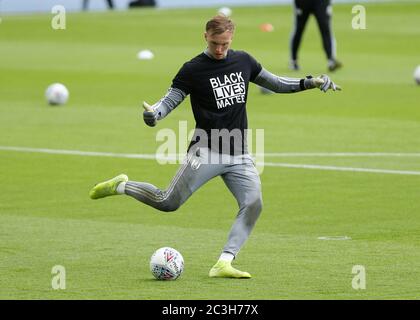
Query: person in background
{"x": 142, "y": 3}
{"x": 109, "y": 2}
{"x": 322, "y": 10}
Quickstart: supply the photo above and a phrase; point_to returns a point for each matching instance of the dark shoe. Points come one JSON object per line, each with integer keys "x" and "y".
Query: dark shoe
{"x": 293, "y": 65}
{"x": 334, "y": 65}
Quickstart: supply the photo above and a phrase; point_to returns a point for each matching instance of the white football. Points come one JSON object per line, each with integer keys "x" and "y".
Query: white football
{"x": 227, "y": 12}
{"x": 166, "y": 264}
{"x": 57, "y": 94}
{"x": 416, "y": 75}
{"x": 145, "y": 55}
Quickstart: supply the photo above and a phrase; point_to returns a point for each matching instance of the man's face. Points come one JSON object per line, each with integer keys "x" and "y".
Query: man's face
{"x": 218, "y": 44}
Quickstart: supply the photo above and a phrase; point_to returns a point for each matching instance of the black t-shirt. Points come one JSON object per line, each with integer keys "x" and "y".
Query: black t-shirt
{"x": 219, "y": 90}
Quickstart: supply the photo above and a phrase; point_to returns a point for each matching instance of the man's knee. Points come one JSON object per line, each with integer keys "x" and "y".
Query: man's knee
{"x": 254, "y": 204}
{"x": 171, "y": 203}
{"x": 258, "y": 204}
{"x": 325, "y": 29}
{"x": 169, "y": 206}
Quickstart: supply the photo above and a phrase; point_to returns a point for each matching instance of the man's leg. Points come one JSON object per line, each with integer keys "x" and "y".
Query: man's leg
{"x": 323, "y": 14}
{"x": 301, "y": 15}
{"x": 190, "y": 176}
{"x": 110, "y": 4}
{"x": 244, "y": 183}
{"x": 85, "y": 4}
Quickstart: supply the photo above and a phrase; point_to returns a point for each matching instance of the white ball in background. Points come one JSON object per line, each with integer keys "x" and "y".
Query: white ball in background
{"x": 227, "y": 12}
{"x": 416, "y": 75}
{"x": 57, "y": 94}
{"x": 145, "y": 55}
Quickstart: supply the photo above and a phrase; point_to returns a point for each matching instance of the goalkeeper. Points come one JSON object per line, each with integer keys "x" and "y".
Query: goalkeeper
{"x": 217, "y": 81}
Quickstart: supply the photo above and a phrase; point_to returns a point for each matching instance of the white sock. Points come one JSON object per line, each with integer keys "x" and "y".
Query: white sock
{"x": 121, "y": 188}
{"x": 226, "y": 256}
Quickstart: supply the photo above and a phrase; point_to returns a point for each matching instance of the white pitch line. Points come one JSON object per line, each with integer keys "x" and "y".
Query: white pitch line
{"x": 169, "y": 158}
{"x": 339, "y": 154}
{"x": 153, "y": 156}
{"x": 84, "y": 153}
{"x": 333, "y": 168}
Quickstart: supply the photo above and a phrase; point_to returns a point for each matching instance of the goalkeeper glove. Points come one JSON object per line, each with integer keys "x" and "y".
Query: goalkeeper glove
{"x": 150, "y": 115}
{"x": 323, "y": 82}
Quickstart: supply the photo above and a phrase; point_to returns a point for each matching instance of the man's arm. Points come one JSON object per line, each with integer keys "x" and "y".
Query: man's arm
{"x": 163, "y": 107}
{"x": 289, "y": 85}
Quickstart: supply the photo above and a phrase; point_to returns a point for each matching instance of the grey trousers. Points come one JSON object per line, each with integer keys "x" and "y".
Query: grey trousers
{"x": 201, "y": 165}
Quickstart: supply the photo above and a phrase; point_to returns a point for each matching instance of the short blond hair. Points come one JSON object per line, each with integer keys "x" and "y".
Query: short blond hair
{"x": 219, "y": 24}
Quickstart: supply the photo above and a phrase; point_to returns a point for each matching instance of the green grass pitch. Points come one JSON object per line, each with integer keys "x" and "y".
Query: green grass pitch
{"x": 47, "y": 219}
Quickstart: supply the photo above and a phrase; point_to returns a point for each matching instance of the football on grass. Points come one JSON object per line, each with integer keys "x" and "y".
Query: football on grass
{"x": 57, "y": 94}
{"x": 417, "y": 75}
{"x": 166, "y": 264}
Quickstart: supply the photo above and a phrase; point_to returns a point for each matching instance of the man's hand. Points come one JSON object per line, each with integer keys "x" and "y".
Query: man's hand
{"x": 149, "y": 115}
{"x": 324, "y": 83}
